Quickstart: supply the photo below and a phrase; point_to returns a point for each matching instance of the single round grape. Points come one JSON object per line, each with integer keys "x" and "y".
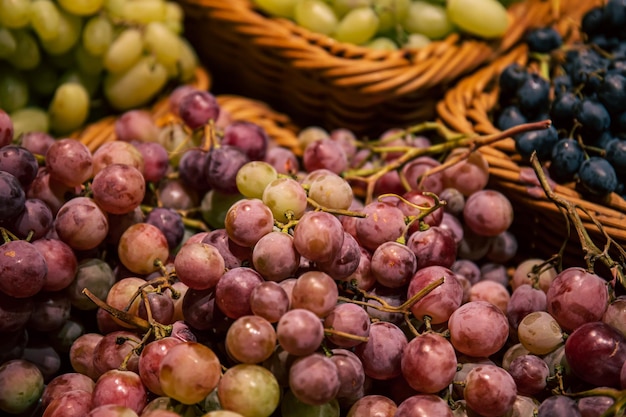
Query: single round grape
{"x": 155, "y": 159}
{"x": 596, "y": 353}
{"x": 21, "y": 386}
{"x": 373, "y": 405}
{"x": 488, "y": 213}
{"x": 615, "y": 314}
{"x": 253, "y": 177}
{"x": 161, "y": 308}
{"x": 286, "y": 198}
{"x": 140, "y": 246}
{"x": 529, "y": 373}
{"x": 527, "y": 273}
{"x": 478, "y": 328}
{"x": 275, "y": 257}
{"x": 50, "y": 311}
{"x": 122, "y": 388}
{"x": 115, "y": 348}
{"x": 12, "y": 196}
{"x": 170, "y": 222}
{"x": 324, "y": 154}
{"x": 382, "y": 353}
{"x": 118, "y": 189}
{"x": 435, "y": 350}
{"x": 383, "y": 222}
{"x": 23, "y": 269}
{"x": 251, "y": 138}
{"x": 558, "y": 406}
{"x": 314, "y": 379}
{"x": 492, "y": 292}
{"x": 315, "y": 291}
{"x": 347, "y": 318}
{"x": 20, "y": 162}
{"x": 577, "y": 296}
{"x": 117, "y": 152}
{"x": 433, "y": 246}
{"x": 393, "y": 264}
{"x": 73, "y": 403}
{"x": 81, "y": 354}
{"x": 81, "y": 223}
{"x": 222, "y": 166}
{"x": 179, "y": 374}
{"x": 540, "y": 333}
{"x": 440, "y": 303}
{"x": 318, "y": 236}
{"x": 199, "y": 265}
{"x": 250, "y": 339}
{"x": 197, "y": 108}
{"x": 249, "y": 390}
{"x": 350, "y": 372}
{"x": 489, "y": 390}
{"x": 61, "y": 384}
{"x": 247, "y": 221}
{"x": 233, "y": 289}
{"x": 35, "y": 220}
{"x": 331, "y": 191}
{"x": 300, "y": 332}
{"x": 283, "y": 160}
{"x": 70, "y": 162}
{"x": 95, "y": 275}
{"x": 269, "y": 300}
{"x": 423, "y": 405}
{"x": 594, "y": 406}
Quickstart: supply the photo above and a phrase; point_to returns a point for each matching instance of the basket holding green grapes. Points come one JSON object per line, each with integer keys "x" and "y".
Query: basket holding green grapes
{"x": 65, "y": 62}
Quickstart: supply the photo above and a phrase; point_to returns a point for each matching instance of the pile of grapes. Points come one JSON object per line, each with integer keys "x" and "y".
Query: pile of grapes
{"x": 393, "y": 24}
{"x": 585, "y": 97}
{"x": 65, "y": 62}
{"x": 199, "y": 269}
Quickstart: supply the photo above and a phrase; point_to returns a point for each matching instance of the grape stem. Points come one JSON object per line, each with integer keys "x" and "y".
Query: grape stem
{"x": 331, "y": 331}
{"x": 452, "y": 141}
{"x": 124, "y": 316}
{"x": 572, "y": 217}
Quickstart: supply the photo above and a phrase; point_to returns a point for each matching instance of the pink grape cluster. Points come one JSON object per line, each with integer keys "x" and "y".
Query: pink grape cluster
{"x": 197, "y": 268}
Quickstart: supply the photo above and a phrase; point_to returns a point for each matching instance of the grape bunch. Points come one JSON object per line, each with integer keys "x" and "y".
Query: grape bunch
{"x": 393, "y": 24}
{"x": 196, "y": 267}
{"x": 584, "y": 97}
{"x": 65, "y": 62}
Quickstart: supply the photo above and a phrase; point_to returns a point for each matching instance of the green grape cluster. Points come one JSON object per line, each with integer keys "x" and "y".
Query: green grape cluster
{"x": 393, "y": 24}
{"x": 65, "y": 62}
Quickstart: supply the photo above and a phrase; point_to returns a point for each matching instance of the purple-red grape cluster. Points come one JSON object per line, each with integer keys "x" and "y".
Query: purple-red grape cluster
{"x": 198, "y": 268}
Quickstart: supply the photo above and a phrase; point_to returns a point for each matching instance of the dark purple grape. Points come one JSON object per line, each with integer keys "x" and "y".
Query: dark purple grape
{"x": 594, "y": 406}
{"x": 251, "y": 138}
{"x": 433, "y": 246}
{"x": 616, "y": 154}
{"x": 23, "y": 269}
{"x": 598, "y": 176}
{"x": 197, "y": 108}
{"x": 14, "y": 313}
{"x": 20, "y": 162}
{"x": 543, "y": 40}
{"x": 155, "y": 160}
{"x": 509, "y": 117}
{"x": 541, "y": 141}
{"x": 12, "y": 196}
{"x": 170, "y": 222}
{"x": 563, "y": 109}
{"x": 511, "y": 79}
{"x": 593, "y": 115}
{"x": 593, "y": 21}
{"x": 221, "y": 168}
{"x": 567, "y": 156}
{"x": 612, "y": 92}
{"x": 191, "y": 169}
{"x": 558, "y": 406}
{"x": 529, "y": 373}
{"x": 596, "y": 353}
{"x": 35, "y": 221}
{"x": 533, "y": 95}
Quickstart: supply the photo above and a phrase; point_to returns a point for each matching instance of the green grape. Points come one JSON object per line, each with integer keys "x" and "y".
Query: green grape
{"x": 280, "y": 8}
{"x": 44, "y": 19}
{"x": 137, "y": 86}
{"x": 214, "y": 207}
{"x": 358, "y": 26}
{"x": 187, "y": 62}
{"x": 428, "y": 19}
{"x": 87, "y": 62}
{"x": 15, "y": 14}
{"x": 144, "y": 11}
{"x": 316, "y": 16}
{"x": 81, "y": 7}
{"x": 483, "y": 18}
{"x": 292, "y": 407}
{"x": 124, "y": 52}
{"x": 69, "y": 107}
{"x": 390, "y": 13}
{"x": 341, "y": 7}
{"x": 97, "y": 35}
{"x": 162, "y": 43}
{"x": 8, "y": 44}
{"x": 253, "y": 177}
{"x": 90, "y": 82}
{"x": 174, "y": 17}
{"x": 14, "y": 91}
{"x": 27, "y": 55}
{"x": 30, "y": 119}
{"x": 70, "y": 28}
{"x": 42, "y": 80}
{"x": 383, "y": 43}
{"x": 540, "y": 333}
{"x": 416, "y": 41}
{"x": 114, "y": 8}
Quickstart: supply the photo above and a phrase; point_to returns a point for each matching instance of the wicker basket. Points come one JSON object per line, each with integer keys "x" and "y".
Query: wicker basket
{"x": 319, "y": 81}
{"x": 278, "y": 126}
{"x": 539, "y": 222}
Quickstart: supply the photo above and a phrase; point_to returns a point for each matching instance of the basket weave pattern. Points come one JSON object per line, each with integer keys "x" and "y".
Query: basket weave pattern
{"x": 317, "y": 80}
{"x": 467, "y": 108}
